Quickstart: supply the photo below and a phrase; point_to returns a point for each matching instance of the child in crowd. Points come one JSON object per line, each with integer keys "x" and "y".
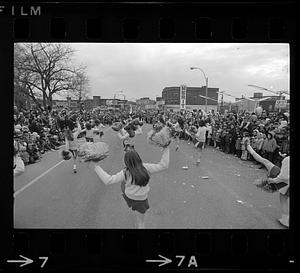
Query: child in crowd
{"x": 218, "y": 138}
{"x": 238, "y": 146}
{"x": 269, "y": 147}
{"x": 245, "y": 140}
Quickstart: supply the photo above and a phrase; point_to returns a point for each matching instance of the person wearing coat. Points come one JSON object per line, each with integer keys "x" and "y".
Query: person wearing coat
{"x": 269, "y": 147}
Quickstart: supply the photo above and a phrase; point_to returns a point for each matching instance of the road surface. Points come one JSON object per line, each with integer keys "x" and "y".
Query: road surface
{"x": 49, "y": 195}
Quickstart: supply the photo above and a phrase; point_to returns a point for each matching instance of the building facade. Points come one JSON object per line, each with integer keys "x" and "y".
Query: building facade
{"x": 160, "y": 103}
{"x": 189, "y": 98}
{"x": 267, "y": 103}
{"x": 145, "y": 104}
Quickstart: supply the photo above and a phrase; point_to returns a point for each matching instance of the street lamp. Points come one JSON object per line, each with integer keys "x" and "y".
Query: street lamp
{"x": 206, "y": 83}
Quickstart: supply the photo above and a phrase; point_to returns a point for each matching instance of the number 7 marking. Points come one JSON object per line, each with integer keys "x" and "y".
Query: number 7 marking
{"x": 182, "y": 258}
{"x": 45, "y": 260}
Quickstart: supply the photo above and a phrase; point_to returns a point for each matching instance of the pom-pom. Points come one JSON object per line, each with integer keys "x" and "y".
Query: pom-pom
{"x": 90, "y": 151}
{"x": 66, "y": 155}
{"x": 161, "y": 138}
{"x": 265, "y": 185}
{"x": 131, "y": 133}
{"x": 117, "y": 126}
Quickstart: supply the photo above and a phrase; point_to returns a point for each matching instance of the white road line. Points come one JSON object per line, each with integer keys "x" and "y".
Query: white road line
{"x": 37, "y": 178}
{"x": 44, "y": 173}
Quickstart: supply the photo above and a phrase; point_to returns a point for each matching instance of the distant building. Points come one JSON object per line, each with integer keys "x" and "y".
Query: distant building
{"x": 160, "y": 103}
{"x": 145, "y": 104}
{"x": 88, "y": 104}
{"x": 189, "y": 98}
{"x": 267, "y": 103}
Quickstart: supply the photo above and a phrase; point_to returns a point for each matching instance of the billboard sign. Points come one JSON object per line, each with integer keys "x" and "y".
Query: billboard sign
{"x": 182, "y": 97}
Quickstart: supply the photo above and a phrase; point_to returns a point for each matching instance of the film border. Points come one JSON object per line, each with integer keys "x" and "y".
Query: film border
{"x": 174, "y": 22}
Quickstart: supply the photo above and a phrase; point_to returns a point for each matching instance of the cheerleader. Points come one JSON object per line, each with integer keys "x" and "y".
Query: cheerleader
{"x": 89, "y": 132}
{"x": 138, "y": 124}
{"x": 175, "y": 125}
{"x": 72, "y": 142}
{"x": 135, "y": 181}
{"x": 178, "y": 131}
{"x": 200, "y": 138}
{"x": 279, "y": 178}
{"x": 127, "y": 137}
{"x": 98, "y": 131}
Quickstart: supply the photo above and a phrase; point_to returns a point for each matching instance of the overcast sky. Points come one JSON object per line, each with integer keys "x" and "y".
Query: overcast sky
{"x": 143, "y": 70}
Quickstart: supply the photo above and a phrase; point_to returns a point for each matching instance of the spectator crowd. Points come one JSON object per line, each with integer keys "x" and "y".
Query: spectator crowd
{"x": 38, "y": 131}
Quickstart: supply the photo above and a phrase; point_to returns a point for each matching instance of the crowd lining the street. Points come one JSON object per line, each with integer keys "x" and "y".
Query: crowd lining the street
{"x": 37, "y": 131}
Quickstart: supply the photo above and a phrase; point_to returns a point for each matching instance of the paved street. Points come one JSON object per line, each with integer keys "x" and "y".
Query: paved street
{"x": 178, "y": 198}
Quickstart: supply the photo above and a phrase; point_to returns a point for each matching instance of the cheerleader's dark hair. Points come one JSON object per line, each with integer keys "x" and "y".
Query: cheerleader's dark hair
{"x": 135, "y": 167}
{"x": 88, "y": 126}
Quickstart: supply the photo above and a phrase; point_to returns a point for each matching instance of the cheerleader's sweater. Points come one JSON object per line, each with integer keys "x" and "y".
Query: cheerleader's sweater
{"x": 133, "y": 191}
{"x": 73, "y": 144}
{"x": 89, "y": 133}
{"x": 127, "y": 140}
{"x": 100, "y": 127}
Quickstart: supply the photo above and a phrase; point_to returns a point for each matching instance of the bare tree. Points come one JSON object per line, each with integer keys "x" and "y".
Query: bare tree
{"x": 45, "y": 69}
{"x": 80, "y": 88}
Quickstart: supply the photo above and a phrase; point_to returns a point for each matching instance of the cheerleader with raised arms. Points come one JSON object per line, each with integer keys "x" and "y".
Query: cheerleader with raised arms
{"x": 135, "y": 178}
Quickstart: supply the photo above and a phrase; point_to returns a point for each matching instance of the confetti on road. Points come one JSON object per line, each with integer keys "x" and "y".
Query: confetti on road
{"x": 204, "y": 177}
{"x": 245, "y": 204}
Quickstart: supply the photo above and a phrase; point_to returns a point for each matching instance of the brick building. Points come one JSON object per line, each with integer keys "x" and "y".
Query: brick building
{"x": 190, "y": 98}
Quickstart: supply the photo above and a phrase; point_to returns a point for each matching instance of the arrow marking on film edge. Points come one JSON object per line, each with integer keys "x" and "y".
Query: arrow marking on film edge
{"x": 164, "y": 261}
{"x": 26, "y": 261}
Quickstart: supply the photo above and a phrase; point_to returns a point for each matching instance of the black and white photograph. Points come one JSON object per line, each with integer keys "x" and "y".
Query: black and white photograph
{"x": 151, "y": 135}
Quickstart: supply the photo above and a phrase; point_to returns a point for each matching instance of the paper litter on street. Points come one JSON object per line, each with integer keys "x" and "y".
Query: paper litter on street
{"x": 245, "y": 203}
